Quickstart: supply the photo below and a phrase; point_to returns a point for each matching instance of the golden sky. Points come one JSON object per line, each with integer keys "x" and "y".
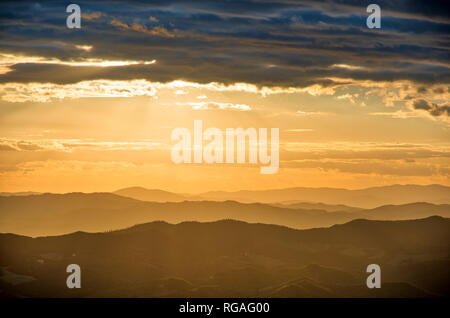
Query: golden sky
{"x": 80, "y": 113}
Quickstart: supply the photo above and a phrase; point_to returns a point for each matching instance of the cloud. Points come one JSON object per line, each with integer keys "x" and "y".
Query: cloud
{"x": 37, "y": 92}
{"x": 398, "y": 114}
{"x": 318, "y": 48}
{"x": 303, "y": 113}
{"x": 4, "y": 147}
{"x": 348, "y": 67}
{"x": 91, "y": 16}
{"x": 376, "y": 167}
{"x": 156, "y": 31}
{"x": 47, "y": 92}
{"x": 347, "y": 157}
{"x": 282, "y": 43}
{"x": 71, "y": 145}
{"x": 432, "y": 108}
{"x": 216, "y": 105}
{"x": 9, "y": 60}
{"x": 363, "y": 150}
{"x": 86, "y": 48}
{"x": 349, "y": 97}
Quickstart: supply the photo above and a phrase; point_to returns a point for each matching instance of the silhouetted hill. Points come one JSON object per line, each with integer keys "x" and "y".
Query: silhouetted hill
{"x": 154, "y": 195}
{"x": 232, "y": 258}
{"x": 366, "y": 198}
{"x": 53, "y": 214}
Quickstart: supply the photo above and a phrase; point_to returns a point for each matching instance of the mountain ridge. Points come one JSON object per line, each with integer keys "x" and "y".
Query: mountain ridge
{"x": 54, "y": 214}
{"x": 367, "y": 198}
{"x": 230, "y": 258}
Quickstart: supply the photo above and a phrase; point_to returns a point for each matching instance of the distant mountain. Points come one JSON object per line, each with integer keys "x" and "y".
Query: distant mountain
{"x": 416, "y": 210}
{"x": 326, "y": 199}
{"x": 153, "y": 195}
{"x": 7, "y": 194}
{"x": 316, "y": 206}
{"x": 232, "y": 258}
{"x": 365, "y": 198}
{"x": 54, "y": 214}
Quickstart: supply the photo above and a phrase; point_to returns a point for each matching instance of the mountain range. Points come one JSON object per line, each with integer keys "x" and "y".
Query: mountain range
{"x": 233, "y": 259}
{"x": 298, "y": 242}
{"x": 364, "y": 198}
{"x": 361, "y": 198}
{"x": 54, "y": 214}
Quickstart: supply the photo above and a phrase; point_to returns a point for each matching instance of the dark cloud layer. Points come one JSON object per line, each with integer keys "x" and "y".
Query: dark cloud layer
{"x": 276, "y": 43}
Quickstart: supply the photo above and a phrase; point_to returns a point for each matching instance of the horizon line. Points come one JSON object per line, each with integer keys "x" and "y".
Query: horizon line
{"x": 226, "y": 191}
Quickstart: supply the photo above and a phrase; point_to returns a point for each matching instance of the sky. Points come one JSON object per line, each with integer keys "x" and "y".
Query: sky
{"x": 92, "y": 109}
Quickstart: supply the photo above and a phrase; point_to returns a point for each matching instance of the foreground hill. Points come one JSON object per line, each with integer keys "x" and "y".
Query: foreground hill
{"x": 53, "y": 214}
{"x": 232, "y": 258}
{"x": 365, "y": 198}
